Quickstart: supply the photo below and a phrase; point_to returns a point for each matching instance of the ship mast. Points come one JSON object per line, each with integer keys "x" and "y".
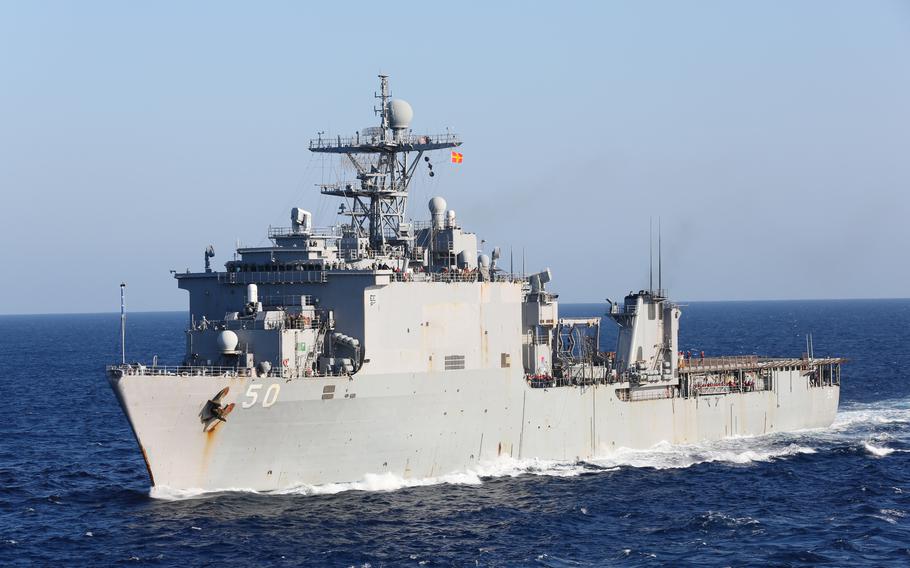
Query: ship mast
{"x": 381, "y": 157}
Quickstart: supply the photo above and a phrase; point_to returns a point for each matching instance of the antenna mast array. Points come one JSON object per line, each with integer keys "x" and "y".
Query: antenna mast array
{"x": 381, "y": 157}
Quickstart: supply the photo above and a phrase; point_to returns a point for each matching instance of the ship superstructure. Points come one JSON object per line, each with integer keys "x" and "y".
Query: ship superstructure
{"x": 390, "y": 345}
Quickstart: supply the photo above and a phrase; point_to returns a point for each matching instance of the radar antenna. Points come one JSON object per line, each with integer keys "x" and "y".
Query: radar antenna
{"x": 381, "y": 158}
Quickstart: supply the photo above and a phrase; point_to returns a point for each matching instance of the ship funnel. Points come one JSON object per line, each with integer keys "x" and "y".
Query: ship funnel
{"x": 437, "y": 207}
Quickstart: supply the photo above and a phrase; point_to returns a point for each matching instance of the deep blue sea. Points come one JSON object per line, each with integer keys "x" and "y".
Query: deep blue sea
{"x": 74, "y": 491}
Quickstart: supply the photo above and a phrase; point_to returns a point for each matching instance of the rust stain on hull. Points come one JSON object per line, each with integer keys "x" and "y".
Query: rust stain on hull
{"x": 148, "y": 465}
{"x": 210, "y": 439}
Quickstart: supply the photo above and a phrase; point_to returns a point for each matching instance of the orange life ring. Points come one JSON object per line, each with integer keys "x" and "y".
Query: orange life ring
{"x": 284, "y": 363}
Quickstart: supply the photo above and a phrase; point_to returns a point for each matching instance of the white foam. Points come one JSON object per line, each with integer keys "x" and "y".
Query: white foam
{"x": 661, "y": 456}
{"x": 729, "y": 519}
{"x": 166, "y": 493}
{"x": 381, "y": 482}
{"x": 881, "y": 412}
{"x": 877, "y": 451}
{"x": 499, "y": 467}
{"x": 668, "y": 456}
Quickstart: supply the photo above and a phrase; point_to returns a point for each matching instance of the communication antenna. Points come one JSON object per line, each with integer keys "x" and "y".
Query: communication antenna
{"x": 651, "y": 255}
{"x": 659, "y": 261}
{"x": 123, "y": 323}
{"x": 383, "y": 157}
{"x": 810, "y": 347}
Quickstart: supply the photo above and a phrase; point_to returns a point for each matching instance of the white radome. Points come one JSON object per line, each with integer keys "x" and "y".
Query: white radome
{"x": 437, "y": 205}
{"x": 400, "y": 114}
{"x": 227, "y": 341}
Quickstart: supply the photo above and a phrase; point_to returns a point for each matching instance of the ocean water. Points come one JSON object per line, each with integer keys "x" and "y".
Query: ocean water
{"x": 73, "y": 488}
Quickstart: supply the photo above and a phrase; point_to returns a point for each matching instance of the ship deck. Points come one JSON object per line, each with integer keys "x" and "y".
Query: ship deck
{"x": 699, "y": 365}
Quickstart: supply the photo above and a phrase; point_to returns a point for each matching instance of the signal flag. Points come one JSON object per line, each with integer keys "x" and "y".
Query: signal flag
{"x": 457, "y": 157}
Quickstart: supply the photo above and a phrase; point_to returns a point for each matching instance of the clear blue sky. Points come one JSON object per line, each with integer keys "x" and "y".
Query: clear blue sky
{"x": 772, "y": 138}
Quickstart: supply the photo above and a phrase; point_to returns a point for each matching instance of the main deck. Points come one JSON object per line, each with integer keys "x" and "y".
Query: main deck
{"x": 702, "y": 365}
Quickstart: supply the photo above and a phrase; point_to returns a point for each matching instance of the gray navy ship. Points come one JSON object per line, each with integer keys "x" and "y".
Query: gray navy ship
{"x": 391, "y": 345}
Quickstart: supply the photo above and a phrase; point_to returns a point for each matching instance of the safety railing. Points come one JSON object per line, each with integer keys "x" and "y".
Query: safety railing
{"x": 718, "y": 363}
{"x": 287, "y": 300}
{"x": 353, "y": 142}
{"x": 274, "y": 277}
{"x": 454, "y": 276}
{"x": 180, "y": 370}
{"x": 322, "y": 232}
{"x": 190, "y": 371}
{"x": 623, "y": 310}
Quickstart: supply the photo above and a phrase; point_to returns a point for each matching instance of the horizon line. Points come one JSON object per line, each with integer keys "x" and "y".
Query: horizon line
{"x": 168, "y": 311}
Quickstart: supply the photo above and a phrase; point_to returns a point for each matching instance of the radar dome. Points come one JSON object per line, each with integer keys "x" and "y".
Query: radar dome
{"x": 437, "y": 205}
{"x": 227, "y": 341}
{"x": 400, "y": 114}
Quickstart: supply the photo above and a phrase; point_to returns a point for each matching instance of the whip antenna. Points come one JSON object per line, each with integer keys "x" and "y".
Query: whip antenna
{"x": 651, "y": 255}
{"x": 122, "y": 323}
{"x": 659, "y": 261}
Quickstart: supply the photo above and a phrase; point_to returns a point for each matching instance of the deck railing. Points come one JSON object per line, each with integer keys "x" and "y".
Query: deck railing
{"x": 454, "y": 276}
{"x": 274, "y": 277}
{"x": 189, "y": 371}
{"x": 322, "y": 232}
{"x": 366, "y": 141}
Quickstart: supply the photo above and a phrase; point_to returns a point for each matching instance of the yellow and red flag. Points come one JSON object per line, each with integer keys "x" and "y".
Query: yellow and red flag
{"x": 457, "y": 157}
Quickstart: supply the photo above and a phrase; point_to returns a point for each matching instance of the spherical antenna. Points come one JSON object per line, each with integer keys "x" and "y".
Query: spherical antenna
{"x": 437, "y": 206}
{"x": 227, "y": 341}
{"x": 400, "y": 114}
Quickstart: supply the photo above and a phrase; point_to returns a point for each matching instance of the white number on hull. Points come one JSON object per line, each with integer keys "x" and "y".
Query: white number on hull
{"x": 271, "y": 395}
{"x": 252, "y": 395}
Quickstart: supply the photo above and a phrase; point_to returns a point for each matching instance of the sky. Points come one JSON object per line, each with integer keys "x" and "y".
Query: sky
{"x": 771, "y": 139}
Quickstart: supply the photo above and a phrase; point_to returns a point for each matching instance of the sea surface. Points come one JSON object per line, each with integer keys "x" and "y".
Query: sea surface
{"x": 74, "y": 490}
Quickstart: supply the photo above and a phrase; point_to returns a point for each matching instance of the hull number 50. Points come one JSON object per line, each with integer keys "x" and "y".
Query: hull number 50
{"x": 269, "y": 397}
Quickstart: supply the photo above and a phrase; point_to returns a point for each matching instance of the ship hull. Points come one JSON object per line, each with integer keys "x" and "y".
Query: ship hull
{"x": 284, "y": 433}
